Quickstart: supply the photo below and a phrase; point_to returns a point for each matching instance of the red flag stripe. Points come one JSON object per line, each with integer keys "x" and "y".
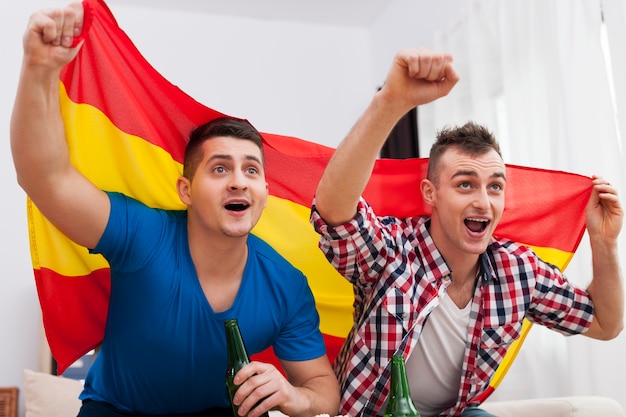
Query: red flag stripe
{"x": 122, "y": 84}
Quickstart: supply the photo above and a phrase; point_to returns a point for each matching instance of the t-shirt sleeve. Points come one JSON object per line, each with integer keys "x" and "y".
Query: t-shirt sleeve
{"x": 301, "y": 338}
{"x": 128, "y": 219}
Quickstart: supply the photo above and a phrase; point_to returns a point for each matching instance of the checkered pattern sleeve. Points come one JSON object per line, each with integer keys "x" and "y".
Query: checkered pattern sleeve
{"x": 557, "y": 303}
{"x": 359, "y": 249}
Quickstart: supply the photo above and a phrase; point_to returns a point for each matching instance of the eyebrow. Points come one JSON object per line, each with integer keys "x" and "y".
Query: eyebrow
{"x": 230, "y": 158}
{"x": 469, "y": 173}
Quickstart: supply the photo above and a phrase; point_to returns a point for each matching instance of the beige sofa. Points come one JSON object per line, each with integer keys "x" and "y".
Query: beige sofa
{"x": 556, "y": 407}
{"x": 46, "y": 395}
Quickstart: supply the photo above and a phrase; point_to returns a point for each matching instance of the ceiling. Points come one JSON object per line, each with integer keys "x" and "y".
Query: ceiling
{"x": 359, "y": 13}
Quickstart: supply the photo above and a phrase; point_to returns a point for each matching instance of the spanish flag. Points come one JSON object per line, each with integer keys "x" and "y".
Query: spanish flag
{"x": 127, "y": 127}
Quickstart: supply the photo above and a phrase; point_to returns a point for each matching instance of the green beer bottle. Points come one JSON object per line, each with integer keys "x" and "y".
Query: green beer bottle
{"x": 400, "y": 403}
{"x": 237, "y": 359}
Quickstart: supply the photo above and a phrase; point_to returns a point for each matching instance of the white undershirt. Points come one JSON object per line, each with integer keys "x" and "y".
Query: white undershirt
{"x": 434, "y": 367}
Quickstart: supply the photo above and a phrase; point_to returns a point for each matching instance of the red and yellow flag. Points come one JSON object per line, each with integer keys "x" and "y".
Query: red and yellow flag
{"x": 127, "y": 128}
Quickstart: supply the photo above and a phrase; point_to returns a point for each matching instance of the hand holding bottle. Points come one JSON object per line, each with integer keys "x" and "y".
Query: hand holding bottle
{"x": 256, "y": 387}
{"x": 239, "y": 371}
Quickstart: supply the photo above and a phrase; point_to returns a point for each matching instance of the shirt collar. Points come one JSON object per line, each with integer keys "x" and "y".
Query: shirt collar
{"x": 487, "y": 271}
{"x": 435, "y": 266}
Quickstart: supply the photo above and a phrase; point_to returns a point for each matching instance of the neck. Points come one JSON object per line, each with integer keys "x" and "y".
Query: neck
{"x": 461, "y": 291}
{"x": 464, "y": 271}
{"x": 463, "y": 264}
{"x": 220, "y": 269}
{"x": 218, "y": 257}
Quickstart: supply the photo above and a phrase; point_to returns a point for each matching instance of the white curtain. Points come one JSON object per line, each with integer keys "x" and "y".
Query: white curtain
{"x": 547, "y": 77}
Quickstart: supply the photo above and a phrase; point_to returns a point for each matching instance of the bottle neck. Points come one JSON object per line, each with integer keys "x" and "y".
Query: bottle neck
{"x": 400, "y": 403}
{"x": 237, "y": 353}
{"x": 399, "y": 381}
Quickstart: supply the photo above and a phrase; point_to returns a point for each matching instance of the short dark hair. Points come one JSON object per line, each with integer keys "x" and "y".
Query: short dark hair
{"x": 471, "y": 139}
{"x": 222, "y": 126}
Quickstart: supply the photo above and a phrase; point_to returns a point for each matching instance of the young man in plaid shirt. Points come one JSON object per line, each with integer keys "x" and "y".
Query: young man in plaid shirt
{"x": 441, "y": 289}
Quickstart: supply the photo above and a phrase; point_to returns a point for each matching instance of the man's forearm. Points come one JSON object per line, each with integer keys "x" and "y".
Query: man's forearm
{"x": 351, "y": 165}
{"x": 607, "y": 291}
{"x": 322, "y": 397}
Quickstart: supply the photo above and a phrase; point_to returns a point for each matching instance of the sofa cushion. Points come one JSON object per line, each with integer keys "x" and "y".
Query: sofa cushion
{"x": 48, "y": 395}
{"x": 581, "y": 406}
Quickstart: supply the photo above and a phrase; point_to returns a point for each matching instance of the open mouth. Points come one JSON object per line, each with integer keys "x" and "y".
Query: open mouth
{"x": 236, "y": 206}
{"x": 476, "y": 225}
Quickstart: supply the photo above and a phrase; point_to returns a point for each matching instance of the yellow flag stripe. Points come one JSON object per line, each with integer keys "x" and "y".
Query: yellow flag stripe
{"x": 114, "y": 160}
{"x": 297, "y": 242}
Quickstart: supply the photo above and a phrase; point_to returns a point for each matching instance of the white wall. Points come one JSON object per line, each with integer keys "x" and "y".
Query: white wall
{"x": 19, "y": 309}
{"x": 306, "y": 80}
{"x": 410, "y": 24}
{"x": 296, "y": 79}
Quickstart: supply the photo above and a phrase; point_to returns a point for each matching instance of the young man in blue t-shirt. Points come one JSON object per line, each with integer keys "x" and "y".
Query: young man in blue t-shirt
{"x": 176, "y": 276}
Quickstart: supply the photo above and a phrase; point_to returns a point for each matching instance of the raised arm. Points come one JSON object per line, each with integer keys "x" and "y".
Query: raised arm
{"x": 604, "y": 222}
{"x": 40, "y": 153}
{"x": 415, "y": 77}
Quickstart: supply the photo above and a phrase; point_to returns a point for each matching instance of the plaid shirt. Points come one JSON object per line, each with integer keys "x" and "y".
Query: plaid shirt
{"x": 399, "y": 277}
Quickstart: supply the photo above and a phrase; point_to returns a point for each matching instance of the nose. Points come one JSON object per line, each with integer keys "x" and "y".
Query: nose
{"x": 238, "y": 180}
{"x": 482, "y": 199}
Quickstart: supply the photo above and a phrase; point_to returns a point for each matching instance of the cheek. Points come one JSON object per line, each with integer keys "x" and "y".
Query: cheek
{"x": 262, "y": 191}
{"x": 498, "y": 208}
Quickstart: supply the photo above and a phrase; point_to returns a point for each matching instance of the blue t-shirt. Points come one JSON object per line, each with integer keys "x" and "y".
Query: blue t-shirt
{"x": 164, "y": 348}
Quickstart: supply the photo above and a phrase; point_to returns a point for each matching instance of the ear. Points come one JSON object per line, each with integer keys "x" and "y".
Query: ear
{"x": 428, "y": 192}
{"x": 183, "y": 187}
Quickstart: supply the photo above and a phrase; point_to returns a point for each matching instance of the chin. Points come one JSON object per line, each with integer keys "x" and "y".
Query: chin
{"x": 236, "y": 233}
{"x": 477, "y": 249}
